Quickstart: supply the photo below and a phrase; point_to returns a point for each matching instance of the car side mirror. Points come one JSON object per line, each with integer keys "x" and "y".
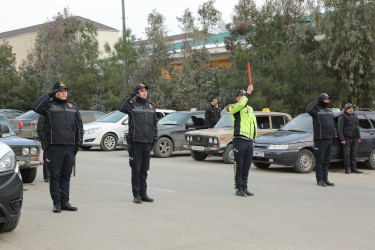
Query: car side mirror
{"x": 125, "y": 122}
{"x": 3, "y": 130}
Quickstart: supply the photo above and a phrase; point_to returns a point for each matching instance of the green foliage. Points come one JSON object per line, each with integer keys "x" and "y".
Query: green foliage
{"x": 348, "y": 47}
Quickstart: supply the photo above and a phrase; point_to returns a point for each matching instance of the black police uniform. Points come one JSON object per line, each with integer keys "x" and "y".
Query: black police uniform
{"x": 212, "y": 116}
{"x": 43, "y": 139}
{"x": 64, "y": 133}
{"x": 348, "y": 130}
{"x": 142, "y": 136}
{"x": 324, "y": 131}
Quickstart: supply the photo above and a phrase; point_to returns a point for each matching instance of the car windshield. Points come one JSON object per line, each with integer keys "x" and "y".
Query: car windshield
{"x": 29, "y": 115}
{"x": 173, "y": 119}
{"x": 112, "y": 117}
{"x": 302, "y": 122}
{"x": 225, "y": 121}
{"x": 3, "y": 120}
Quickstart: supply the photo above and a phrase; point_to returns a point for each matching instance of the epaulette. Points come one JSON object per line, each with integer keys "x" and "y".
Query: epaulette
{"x": 152, "y": 103}
{"x": 71, "y": 104}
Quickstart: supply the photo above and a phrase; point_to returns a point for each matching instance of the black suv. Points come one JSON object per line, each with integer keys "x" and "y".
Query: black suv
{"x": 293, "y": 144}
{"x": 11, "y": 188}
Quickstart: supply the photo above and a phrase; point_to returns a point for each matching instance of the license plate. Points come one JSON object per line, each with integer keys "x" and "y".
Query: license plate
{"x": 197, "y": 148}
{"x": 259, "y": 154}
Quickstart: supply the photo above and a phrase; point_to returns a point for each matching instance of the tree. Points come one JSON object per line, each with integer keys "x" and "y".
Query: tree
{"x": 348, "y": 47}
{"x": 8, "y": 75}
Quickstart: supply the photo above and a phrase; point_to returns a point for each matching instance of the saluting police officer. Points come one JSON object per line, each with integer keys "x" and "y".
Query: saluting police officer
{"x": 64, "y": 132}
{"x": 142, "y": 135}
{"x": 244, "y": 134}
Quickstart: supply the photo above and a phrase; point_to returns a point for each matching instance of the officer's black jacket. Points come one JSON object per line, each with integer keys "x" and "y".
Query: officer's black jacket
{"x": 40, "y": 129}
{"x": 323, "y": 120}
{"x": 212, "y": 116}
{"x": 63, "y": 123}
{"x": 142, "y": 119}
{"x": 348, "y": 126}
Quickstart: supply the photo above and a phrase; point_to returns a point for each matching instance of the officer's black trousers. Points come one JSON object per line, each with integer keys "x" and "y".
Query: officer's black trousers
{"x": 350, "y": 153}
{"x": 322, "y": 154}
{"x": 60, "y": 160}
{"x": 243, "y": 155}
{"x": 139, "y": 161}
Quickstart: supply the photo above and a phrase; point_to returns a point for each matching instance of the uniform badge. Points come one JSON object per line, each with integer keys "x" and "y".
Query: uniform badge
{"x": 70, "y": 105}
{"x": 150, "y": 105}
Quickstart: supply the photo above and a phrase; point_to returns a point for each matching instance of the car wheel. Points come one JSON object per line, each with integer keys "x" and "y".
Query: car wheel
{"x": 261, "y": 164}
{"x": 86, "y": 147}
{"x": 28, "y": 174}
{"x": 198, "y": 156}
{"x": 228, "y": 155}
{"x": 163, "y": 148}
{"x": 9, "y": 225}
{"x": 370, "y": 163}
{"x": 305, "y": 162}
{"x": 109, "y": 142}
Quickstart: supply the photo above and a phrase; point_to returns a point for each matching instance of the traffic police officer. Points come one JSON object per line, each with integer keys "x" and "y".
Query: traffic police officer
{"x": 141, "y": 138}
{"x": 64, "y": 132}
{"x": 244, "y": 134}
{"x": 324, "y": 130}
{"x": 350, "y": 136}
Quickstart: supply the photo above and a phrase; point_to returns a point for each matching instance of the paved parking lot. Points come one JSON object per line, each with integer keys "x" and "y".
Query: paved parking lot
{"x": 195, "y": 208}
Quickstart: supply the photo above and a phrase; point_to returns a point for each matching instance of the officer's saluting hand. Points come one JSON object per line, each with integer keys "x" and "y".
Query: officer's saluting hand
{"x": 64, "y": 133}
{"x": 143, "y": 134}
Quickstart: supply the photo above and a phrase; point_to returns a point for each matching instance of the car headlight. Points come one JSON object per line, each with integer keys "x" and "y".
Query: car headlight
{"x": 210, "y": 140}
{"x": 33, "y": 151}
{"x": 25, "y": 151}
{"x": 93, "y": 130}
{"x": 278, "y": 147}
{"x": 215, "y": 141}
{"x": 8, "y": 162}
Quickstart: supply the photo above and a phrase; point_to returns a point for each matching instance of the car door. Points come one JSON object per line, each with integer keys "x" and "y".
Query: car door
{"x": 263, "y": 124}
{"x": 367, "y": 135}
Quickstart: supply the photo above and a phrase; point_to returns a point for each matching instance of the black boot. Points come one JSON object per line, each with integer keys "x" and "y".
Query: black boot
{"x": 355, "y": 170}
{"x": 247, "y": 192}
{"x": 240, "y": 192}
{"x": 56, "y": 208}
{"x": 137, "y": 200}
{"x": 66, "y": 206}
{"x": 347, "y": 170}
{"x": 146, "y": 198}
{"x": 329, "y": 183}
{"x": 321, "y": 183}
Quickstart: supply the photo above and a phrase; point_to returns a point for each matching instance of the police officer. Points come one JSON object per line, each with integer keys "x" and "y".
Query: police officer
{"x": 324, "y": 131}
{"x": 43, "y": 140}
{"x": 350, "y": 136}
{"x": 244, "y": 134}
{"x": 64, "y": 132}
{"x": 142, "y": 136}
{"x": 212, "y": 114}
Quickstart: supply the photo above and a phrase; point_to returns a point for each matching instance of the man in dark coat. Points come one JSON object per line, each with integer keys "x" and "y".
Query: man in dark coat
{"x": 142, "y": 136}
{"x": 324, "y": 131}
{"x": 64, "y": 133}
{"x": 212, "y": 114}
{"x": 350, "y": 137}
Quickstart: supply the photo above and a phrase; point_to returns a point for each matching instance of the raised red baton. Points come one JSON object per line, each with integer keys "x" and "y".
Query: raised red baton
{"x": 248, "y": 68}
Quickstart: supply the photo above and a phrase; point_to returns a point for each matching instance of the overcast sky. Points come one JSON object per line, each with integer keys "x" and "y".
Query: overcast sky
{"x": 17, "y": 14}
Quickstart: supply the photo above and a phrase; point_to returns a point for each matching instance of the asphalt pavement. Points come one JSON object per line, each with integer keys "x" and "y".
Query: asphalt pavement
{"x": 195, "y": 208}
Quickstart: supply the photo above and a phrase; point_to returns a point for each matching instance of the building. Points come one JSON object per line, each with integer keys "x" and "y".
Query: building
{"x": 23, "y": 40}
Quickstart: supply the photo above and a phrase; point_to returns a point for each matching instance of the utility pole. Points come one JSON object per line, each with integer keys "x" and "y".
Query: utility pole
{"x": 124, "y": 42}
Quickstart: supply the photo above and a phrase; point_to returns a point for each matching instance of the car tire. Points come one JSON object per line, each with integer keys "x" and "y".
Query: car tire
{"x": 198, "y": 156}
{"x": 370, "y": 163}
{"x": 305, "y": 162}
{"x": 163, "y": 147}
{"x": 9, "y": 225}
{"x": 109, "y": 142}
{"x": 228, "y": 155}
{"x": 261, "y": 164}
{"x": 28, "y": 174}
{"x": 86, "y": 147}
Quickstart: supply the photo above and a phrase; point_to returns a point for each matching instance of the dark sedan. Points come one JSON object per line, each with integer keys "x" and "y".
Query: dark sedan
{"x": 293, "y": 144}
{"x": 172, "y": 128}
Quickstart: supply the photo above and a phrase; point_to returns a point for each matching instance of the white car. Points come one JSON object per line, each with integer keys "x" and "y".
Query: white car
{"x": 108, "y": 131}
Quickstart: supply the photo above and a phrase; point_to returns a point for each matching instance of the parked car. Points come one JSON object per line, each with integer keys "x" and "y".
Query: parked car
{"x": 27, "y": 151}
{"x": 25, "y": 125}
{"x": 11, "y": 113}
{"x": 109, "y": 131}
{"x": 172, "y": 128}
{"x": 11, "y": 188}
{"x": 293, "y": 145}
{"x": 218, "y": 140}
